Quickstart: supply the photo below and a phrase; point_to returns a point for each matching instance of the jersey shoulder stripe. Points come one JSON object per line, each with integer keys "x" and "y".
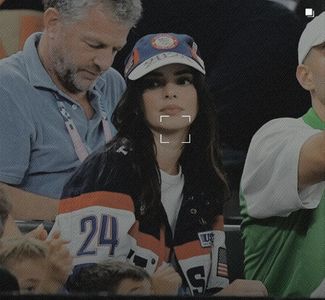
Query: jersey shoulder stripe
{"x": 100, "y": 198}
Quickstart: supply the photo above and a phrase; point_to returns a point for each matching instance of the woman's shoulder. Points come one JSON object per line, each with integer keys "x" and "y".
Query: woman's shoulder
{"x": 120, "y": 148}
{"x": 109, "y": 168}
{"x": 117, "y": 153}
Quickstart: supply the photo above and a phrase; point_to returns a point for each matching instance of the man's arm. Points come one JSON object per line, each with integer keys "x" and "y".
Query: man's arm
{"x": 19, "y": 131}
{"x": 29, "y": 206}
{"x": 311, "y": 166}
{"x": 11, "y": 230}
{"x": 284, "y": 167}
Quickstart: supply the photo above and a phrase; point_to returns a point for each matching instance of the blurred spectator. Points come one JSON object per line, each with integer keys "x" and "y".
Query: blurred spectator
{"x": 16, "y": 25}
{"x": 38, "y": 266}
{"x": 113, "y": 277}
{"x": 18, "y": 20}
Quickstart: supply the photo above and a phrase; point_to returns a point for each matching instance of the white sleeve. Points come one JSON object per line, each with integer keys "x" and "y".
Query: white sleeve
{"x": 269, "y": 182}
{"x": 320, "y": 291}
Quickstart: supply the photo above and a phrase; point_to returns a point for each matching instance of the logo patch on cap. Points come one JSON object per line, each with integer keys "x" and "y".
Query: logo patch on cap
{"x": 164, "y": 41}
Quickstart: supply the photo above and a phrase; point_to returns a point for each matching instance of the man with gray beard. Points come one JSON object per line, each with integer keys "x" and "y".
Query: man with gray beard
{"x": 56, "y": 99}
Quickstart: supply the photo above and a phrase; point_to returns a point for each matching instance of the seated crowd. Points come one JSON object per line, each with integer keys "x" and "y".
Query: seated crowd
{"x": 131, "y": 169}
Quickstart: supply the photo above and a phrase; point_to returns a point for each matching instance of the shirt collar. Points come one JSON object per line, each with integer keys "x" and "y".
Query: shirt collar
{"x": 98, "y": 84}
{"x": 38, "y": 76}
{"x": 312, "y": 119}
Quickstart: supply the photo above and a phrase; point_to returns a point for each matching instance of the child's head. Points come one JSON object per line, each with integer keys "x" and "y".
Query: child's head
{"x": 114, "y": 277}
{"x": 25, "y": 258}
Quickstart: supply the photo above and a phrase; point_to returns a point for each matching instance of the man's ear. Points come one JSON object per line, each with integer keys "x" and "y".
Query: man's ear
{"x": 51, "y": 19}
{"x": 305, "y": 77}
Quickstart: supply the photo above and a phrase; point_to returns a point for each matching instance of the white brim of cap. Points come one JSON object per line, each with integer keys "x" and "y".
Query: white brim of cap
{"x": 307, "y": 45}
{"x": 313, "y": 35}
{"x": 177, "y": 58}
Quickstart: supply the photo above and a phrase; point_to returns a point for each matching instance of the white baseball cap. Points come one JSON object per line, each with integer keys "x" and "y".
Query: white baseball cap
{"x": 313, "y": 35}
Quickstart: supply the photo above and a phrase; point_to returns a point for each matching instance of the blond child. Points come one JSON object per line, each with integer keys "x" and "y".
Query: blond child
{"x": 40, "y": 267}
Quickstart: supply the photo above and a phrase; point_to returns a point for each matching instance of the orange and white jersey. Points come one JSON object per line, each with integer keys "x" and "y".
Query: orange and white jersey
{"x": 97, "y": 226}
{"x": 99, "y": 219}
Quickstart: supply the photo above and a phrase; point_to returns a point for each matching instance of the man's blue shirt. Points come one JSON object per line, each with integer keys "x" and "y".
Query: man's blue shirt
{"x": 36, "y": 150}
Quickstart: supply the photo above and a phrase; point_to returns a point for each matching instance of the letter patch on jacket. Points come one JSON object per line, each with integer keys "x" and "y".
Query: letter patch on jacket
{"x": 206, "y": 238}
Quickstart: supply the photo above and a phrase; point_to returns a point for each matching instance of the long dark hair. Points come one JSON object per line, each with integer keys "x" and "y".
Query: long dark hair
{"x": 201, "y": 157}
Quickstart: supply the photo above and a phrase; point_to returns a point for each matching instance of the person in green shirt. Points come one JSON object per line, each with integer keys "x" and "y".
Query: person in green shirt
{"x": 282, "y": 193}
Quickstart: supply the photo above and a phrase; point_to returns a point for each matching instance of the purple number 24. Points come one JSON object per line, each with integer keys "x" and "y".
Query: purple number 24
{"x": 107, "y": 236}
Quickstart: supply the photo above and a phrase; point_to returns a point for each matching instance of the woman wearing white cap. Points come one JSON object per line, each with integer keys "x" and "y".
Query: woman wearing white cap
{"x": 155, "y": 194}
